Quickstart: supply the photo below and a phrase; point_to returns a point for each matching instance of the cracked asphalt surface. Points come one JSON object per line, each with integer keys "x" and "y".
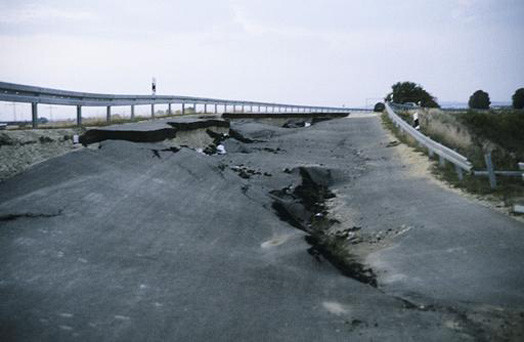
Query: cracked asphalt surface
{"x": 137, "y": 241}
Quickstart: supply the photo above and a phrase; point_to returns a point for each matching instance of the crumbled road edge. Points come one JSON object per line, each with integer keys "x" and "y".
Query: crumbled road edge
{"x": 21, "y": 149}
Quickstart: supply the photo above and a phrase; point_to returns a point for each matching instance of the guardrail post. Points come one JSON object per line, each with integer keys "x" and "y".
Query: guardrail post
{"x": 242, "y": 108}
{"x": 441, "y": 161}
{"x": 34, "y": 114}
{"x": 79, "y": 115}
{"x": 108, "y": 114}
{"x": 205, "y": 108}
{"x": 459, "y": 172}
{"x": 169, "y": 109}
{"x": 183, "y": 108}
{"x": 491, "y": 171}
{"x": 132, "y": 112}
{"x": 216, "y": 108}
{"x": 431, "y": 153}
{"x": 152, "y": 110}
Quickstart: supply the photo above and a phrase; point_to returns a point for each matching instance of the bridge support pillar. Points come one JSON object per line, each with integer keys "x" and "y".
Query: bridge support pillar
{"x": 216, "y": 108}
{"x": 205, "y": 108}
{"x": 153, "y": 110}
{"x": 195, "y": 108}
{"x": 79, "y": 115}
{"x": 183, "y": 108}
{"x": 132, "y": 112}
{"x": 169, "y": 109}
{"x": 34, "y": 114}
{"x": 108, "y": 113}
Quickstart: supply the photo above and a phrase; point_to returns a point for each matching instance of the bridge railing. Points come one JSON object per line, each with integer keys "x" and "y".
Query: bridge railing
{"x": 11, "y": 92}
{"x": 445, "y": 153}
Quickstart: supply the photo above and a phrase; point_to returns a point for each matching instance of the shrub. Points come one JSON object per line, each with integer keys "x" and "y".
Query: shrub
{"x": 404, "y": 92}
{"x": 518, "y": 99}
{"x": 379, "y": 107}
{"x": 479, "y": 100}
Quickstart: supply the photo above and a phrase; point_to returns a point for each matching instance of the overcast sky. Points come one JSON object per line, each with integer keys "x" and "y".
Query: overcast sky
{"x": 320, "y": 52}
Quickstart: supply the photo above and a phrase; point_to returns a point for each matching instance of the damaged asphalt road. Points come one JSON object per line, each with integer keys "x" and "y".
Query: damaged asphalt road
{"x": 315, "y": 233}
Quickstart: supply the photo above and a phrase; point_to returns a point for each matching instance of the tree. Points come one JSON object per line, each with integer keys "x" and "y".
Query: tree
{"x": 379, "y": 107}
{"x": 479, "y": 100}
{"x": 404, "y": 92}
{"x": 518, "y": 99}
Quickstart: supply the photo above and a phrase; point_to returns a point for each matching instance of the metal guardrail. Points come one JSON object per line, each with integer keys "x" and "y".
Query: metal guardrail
{"x": 402, "y": 106}
{"x": 491, "y": 173}
{"x": 11, "y": 92}
{"x": 484, "y": 173}
{"x": 445, "y": 153}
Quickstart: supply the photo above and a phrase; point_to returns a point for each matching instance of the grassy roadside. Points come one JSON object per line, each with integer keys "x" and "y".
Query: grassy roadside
{"x": 508, "y": 189}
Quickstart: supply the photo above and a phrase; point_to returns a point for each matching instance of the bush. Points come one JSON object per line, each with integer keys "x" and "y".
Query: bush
{"x": 518, "y": 99}
{"x": 503, "y": 128}
{"x": 479, "y": 100}
{"x": 379, "y": 107}
{"x": 404, "y": 92}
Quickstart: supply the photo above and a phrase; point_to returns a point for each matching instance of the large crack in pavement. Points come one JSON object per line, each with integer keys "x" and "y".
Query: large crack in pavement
{"x": 304, "y": 208}
{"x": 29, "y": 215}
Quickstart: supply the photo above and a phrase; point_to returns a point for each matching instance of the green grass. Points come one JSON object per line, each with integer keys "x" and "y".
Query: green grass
{"x": 502, "y": 127}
